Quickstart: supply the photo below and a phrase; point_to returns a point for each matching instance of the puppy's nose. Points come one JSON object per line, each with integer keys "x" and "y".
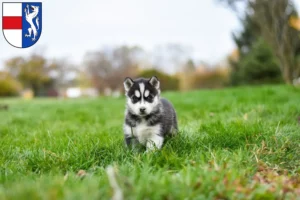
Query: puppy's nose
{"x": 142, "y": 110}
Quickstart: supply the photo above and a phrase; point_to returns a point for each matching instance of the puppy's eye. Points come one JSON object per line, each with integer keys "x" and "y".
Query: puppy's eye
{"x": 149, "y": 98}
{"x": 135, "y": 99}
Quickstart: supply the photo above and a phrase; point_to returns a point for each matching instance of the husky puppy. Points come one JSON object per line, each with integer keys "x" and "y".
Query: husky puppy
{"x": 148, "y": 118}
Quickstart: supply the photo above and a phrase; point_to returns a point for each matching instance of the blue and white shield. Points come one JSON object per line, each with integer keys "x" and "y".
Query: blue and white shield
{"x": 22, "y": 23}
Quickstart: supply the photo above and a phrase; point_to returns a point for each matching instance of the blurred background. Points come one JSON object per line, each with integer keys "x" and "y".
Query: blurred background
{"x": 87, "y": 48}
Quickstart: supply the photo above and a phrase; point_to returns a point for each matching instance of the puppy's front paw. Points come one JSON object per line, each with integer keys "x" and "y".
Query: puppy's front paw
{"x": 151, "y": 150}
{"x": 154, "y": 143}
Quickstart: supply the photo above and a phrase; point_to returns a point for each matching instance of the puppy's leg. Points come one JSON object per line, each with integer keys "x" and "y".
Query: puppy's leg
{"x": 155, "y": 142}
{"x": 131, "y": 141}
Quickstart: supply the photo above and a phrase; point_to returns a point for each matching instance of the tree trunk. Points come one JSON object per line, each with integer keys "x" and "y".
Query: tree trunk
{"x": 287, "y": 76}
{"x": 286, "y": 69}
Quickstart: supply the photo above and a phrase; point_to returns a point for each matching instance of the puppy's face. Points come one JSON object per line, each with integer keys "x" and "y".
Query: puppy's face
{"x": 142, "y": 95}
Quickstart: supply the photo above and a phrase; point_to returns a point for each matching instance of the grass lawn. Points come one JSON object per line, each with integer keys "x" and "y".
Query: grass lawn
{"x": 240, "y": 143}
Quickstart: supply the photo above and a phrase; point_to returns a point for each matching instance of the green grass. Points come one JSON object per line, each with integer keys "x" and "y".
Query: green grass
{"x": 240, "y": 143}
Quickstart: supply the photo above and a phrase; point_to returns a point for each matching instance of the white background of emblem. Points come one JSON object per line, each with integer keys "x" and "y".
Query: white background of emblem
{"x": 14, "y": 37}
{"x": 12, "y": 9}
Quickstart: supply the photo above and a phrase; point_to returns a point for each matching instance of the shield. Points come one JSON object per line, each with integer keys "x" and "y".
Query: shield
{"x": 22, "y": 23}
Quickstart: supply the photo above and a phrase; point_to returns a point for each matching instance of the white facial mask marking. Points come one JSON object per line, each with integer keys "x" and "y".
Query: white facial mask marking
{"x": 142, "y": 89}
{"x": 147, "y": 93}
{"x": 137, "y": 93}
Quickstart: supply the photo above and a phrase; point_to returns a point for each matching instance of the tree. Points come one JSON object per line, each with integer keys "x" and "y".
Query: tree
{"x": 169, "y": 58}
{"x": 63, "y": 74}
{"x": 248, "y": 36}
{"x": 32, "y": 72}
{"x": 189, "y": 66}
{"x": 274, "y": 17}
{"x": 272, "y": 20}
{"x": 8, "y": 85}
{"x": 167, "y": 82}
{"x": 295, "y": 23}
{"x": 185, "y": 75}
{"x": 108, "y": 68}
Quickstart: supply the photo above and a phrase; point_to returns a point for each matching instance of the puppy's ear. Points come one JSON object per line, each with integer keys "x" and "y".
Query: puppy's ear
{"x": 154, "y": 82}
{"x": 128, "y": 82}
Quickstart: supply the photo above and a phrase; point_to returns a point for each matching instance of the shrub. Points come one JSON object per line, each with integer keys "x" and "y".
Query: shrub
{"x": 8, "y": 85}
{"x": 259, "y": 66}
{"x": 168, "y": 82}
{"x": 211, "y": 78}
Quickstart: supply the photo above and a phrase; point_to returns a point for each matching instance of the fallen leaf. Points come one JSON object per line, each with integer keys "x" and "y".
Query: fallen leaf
{"x": 81, "y": 173}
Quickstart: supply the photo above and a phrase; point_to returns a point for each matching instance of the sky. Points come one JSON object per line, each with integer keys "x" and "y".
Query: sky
{"x": 71, "y": 28}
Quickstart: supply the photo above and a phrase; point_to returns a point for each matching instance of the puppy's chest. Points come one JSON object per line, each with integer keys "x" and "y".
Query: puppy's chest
{"x": 142, "y": 131}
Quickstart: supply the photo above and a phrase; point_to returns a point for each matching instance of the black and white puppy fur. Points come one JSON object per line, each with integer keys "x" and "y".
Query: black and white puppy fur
{"x": 148, "y": 118}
